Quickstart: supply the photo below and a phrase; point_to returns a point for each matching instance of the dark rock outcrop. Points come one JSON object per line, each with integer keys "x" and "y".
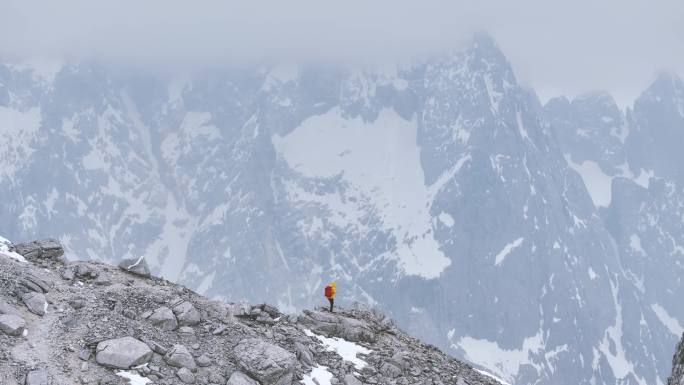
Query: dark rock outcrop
{"x": 43, "y": 249}
{"x": 677, "y": 376}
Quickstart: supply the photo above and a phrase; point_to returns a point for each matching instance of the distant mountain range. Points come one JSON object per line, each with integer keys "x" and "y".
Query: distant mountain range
{"x": 541, "y": 242}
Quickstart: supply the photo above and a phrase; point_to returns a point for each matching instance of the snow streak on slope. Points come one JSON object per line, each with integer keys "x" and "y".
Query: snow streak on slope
{"x": 381, "y": 162}
{"x": 507, "y": 250}
{"x": 670, "y": 322}
{"x": 502, "y": 382}
{"x": 612, "y": 347}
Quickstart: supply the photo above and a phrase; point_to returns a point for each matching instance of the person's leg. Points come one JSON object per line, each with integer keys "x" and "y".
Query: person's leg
{"x": 332, "y": 301}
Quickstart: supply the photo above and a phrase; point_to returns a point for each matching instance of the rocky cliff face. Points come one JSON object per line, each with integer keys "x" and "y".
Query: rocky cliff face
{"x": 65, "y": 323}
{"x": 530, "y": 239}
{"x": 677, "y": 376}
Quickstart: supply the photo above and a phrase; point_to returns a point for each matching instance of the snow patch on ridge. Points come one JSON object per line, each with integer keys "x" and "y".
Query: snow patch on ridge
{"x": 380, "y": 161}
{"x": 4, "y": 250}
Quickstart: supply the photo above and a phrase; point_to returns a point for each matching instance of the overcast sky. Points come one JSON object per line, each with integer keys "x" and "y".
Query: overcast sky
{"x": 557, "y": 47}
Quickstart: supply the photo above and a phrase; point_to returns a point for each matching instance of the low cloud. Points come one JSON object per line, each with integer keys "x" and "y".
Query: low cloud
{"x": 557, "y": 47}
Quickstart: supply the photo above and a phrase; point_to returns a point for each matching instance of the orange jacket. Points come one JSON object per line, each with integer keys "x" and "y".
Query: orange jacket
{"x": 330, "y": 290}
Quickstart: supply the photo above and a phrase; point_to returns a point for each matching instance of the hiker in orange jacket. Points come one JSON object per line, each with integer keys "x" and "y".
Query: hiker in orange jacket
{"x": 330, "y": 293}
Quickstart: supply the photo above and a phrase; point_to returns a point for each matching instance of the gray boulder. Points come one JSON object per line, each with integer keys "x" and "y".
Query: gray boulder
{"x": 37, "y": 377}
{"x": 269, "y": 364}
{"x": 12, "y": 325}
{"x": 186, "y": 313}
{"x": 186, "y": 376}
{"x": 180, "y": 357}
{"x": 204, "y": 361}
{"x": 349, "y": 379}
{"x": 43, "y": 249}
{"x": 68, "y": 274}
{"x": 303, "y": 353}
{"x": 399, "y": 359}
{"x": 35, "y": 302}
{"x": 137, "y": 266}
{"x": 239, "y": 378}
{"x": 122, "y": 353}
{"x": 390, "y": 370}
{"x": 163, "y": 318}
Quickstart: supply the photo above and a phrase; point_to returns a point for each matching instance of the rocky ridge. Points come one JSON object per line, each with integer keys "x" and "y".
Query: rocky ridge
{"x": 66, "y": 322}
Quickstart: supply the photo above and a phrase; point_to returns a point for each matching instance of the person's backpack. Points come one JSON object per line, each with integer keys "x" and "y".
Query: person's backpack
{"x": 328, "y": 291}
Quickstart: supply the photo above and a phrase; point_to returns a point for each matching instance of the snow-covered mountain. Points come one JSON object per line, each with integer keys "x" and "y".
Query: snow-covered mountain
{"x": 540, "y": 242}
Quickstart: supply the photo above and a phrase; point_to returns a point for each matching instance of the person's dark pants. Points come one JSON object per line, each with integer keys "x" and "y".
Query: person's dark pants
{"x": 332, "y": 301}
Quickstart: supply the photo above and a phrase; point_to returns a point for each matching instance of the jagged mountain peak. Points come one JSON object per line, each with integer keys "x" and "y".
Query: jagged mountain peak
{"x": 599, "y": 97}
{"x": 667, "y": 79}
{"x": 437, "y": 191}
{"x": 667, "y": 90}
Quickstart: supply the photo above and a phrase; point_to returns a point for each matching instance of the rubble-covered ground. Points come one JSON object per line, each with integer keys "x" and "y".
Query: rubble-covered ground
{"x": 64, "y": 323}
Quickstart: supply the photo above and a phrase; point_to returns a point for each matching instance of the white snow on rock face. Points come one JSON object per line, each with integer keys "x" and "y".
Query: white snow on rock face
{"x": 381, "y": 162}
{"x": 446, "y": 219}
{"x": 505, "y": 363}
{"x": 635, "y": 244}
{"x": 345, "y": 349}
{"x": 597, "y": 182}
{"x": 319, "y": 376}
{"x": 4, "y": 250}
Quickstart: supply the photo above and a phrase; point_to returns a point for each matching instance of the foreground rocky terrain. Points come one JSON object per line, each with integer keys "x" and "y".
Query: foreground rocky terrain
{"x": 65, "y": 322}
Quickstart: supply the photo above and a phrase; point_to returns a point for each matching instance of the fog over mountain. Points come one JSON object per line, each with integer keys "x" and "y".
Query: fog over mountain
{"x": 541, "y": 240}
{"x": 556, "y": 47}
